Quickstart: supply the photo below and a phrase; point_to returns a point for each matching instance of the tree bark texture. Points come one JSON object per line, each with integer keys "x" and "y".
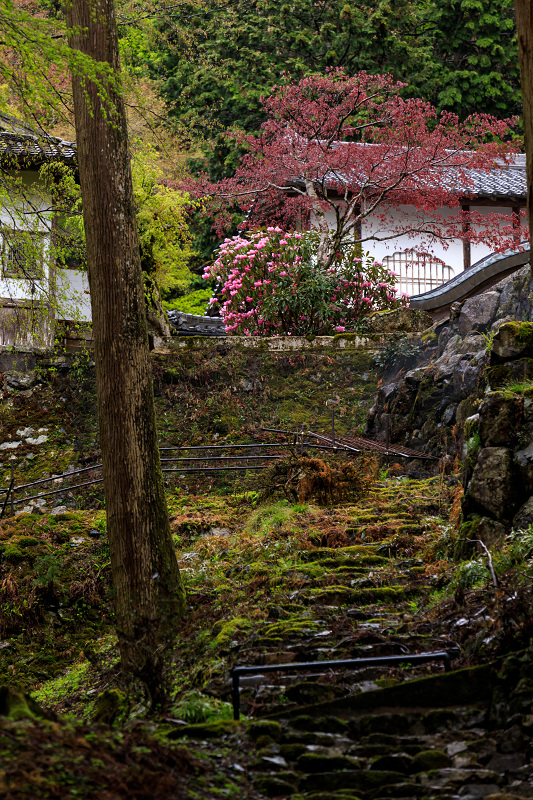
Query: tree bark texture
{"x": 524, "y": 26}
{"x": 149, "y": 597}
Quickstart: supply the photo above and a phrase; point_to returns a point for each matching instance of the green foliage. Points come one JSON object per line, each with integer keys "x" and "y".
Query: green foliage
{"x": 470, "y": 574}
{"x": 36, "y": 60}
{"x": 240, "y": 50}
{"x": 397, "y": 353}
{"x": 461, "y": 55}
{"x": 475, "y": 57}
{"x": 197, "y": 707}
{"x": 192, "y": 302}
{"x": 164, "y": 236}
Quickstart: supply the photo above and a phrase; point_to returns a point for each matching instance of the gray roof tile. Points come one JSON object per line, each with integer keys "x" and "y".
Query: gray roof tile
{"x": 24, "y": 147}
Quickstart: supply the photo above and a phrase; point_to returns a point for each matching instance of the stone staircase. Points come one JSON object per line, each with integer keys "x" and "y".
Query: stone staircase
{"x": 381, "y": 731}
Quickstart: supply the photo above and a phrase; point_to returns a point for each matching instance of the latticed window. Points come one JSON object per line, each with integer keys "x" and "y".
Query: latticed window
{"x": 417, "y": 272}
{"x": 22, "y": 254}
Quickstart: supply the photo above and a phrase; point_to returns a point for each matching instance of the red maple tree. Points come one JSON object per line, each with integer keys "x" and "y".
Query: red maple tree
{"x": 336, "y": 150}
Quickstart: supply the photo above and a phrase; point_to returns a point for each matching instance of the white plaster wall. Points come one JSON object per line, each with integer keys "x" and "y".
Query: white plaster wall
{"x": 380, "y": 239}
{"x": 27, "y": 211}
{"x": 73, "y": 296}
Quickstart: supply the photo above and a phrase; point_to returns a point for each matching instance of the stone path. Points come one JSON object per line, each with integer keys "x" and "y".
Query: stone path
{"x": 375, "y": 732}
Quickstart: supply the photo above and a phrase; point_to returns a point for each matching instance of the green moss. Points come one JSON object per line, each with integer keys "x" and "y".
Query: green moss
{"x": 522, "y": 332}
{"x": 208, "y": 730}
{"x": 15, "y": 548}
{"x": 430, "y": 760}
{"x": 428, "y": 337}
{"x": 341, "y": 595}
{"x": 264, "y": 727}
{"x": 111, "y": 707}
{"x": 225, "y": 631}
{"x": 467, "y": 531}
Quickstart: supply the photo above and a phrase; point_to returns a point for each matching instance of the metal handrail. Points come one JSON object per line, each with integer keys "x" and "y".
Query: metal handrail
{"x": 415, "y": 658}
{"x": 10, "y": 491}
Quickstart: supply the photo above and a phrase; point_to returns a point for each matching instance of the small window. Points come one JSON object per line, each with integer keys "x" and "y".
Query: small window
{"x": 22, "y": 255}
{"x": 418, "y": 272}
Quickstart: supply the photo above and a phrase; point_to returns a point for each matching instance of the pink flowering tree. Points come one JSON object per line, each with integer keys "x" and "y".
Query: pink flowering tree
{"x": 269, "y": 284}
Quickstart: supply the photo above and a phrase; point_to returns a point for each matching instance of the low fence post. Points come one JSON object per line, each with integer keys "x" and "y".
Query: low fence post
{"x": 11, "y": 492}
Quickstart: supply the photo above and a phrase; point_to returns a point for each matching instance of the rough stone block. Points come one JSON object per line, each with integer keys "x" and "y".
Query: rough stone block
{"x": 500, "y": 415}
{"x": 493, "y": 484}
{"x": 477, "y": 313}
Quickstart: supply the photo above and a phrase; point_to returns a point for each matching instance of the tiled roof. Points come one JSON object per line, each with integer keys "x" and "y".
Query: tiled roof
{"x": 509, "y": 181}
{"x": 24, "y": 147}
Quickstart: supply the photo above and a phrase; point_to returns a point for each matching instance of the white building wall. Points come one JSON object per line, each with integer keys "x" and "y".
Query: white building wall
{"x": 380, "y": 239}
{"x": 73, "y": 296}
{"x": 25, "y": 207}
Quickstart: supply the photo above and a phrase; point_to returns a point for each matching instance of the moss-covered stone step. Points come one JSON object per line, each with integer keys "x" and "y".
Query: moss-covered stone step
{"x": 347, "y": 595}
{"x": 355, "y": 780}
{"x": 461, "y": 687}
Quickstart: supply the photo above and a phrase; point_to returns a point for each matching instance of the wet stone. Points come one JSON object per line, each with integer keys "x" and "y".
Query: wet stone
{"x": 430, "y": 760}
{"x": 305, "y": 722}
{"x": 473, "y": 791}
{"x": 314, "y": 693}
{"x": 320, "y": 762}
{"x": 506, "y": 762}
{"x": 273, "y": 786}
{"x": 392, "y": 724}
{"x": 409, "y": 791}
{"x": 309, "y": 737}
{"x": 358, "y": 781}
{"x": 396, "y": 762}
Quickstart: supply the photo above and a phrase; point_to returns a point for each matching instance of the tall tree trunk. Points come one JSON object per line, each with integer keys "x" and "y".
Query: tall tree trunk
{"x": 149, "y": 597}
{"x": 524, "y": 26}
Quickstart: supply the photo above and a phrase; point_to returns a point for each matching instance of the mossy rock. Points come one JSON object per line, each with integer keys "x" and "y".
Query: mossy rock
{"x": 206, "y": 730}
{"x": 274, "y": 786}
{"x": 320, "y": 762}
{"x": 17, "y": 706}
{"x": 511, "y": 372}
{"x": 311, "y": 693}
{"x": 464, "y": 548}
{"x": 463, "y": 686}
{"x": 292, "y": 752}
{"x": 361, "y": 561}
{"x": 226, "y": 630}
{"x": 343, "y": 794}
{"x": 290, "y": 627}
{"x": 395, "y": 762}
{"x": 428, "y": 760}
{"x": 264, "y": 727}
{"x": 355, "y": 780}
{"x": 333, "y": 553}
{"x": 392, "y": 724}
{"x": 343, "y": 595}
{"x": 512, "y": 341}
{"x": 15, "y": 548}
{"x": 111, "y": 706}
{"x": 439, "y": 719}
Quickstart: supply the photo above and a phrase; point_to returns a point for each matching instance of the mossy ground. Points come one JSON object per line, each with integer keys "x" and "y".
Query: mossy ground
{"x": 266, "y": 583}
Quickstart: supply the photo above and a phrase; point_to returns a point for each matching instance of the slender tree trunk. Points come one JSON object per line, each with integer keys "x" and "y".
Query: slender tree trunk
{"x": 149, "y": 597}
{"x": 524, "y": 26}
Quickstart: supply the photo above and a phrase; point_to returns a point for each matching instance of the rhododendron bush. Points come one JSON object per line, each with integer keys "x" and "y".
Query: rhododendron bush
{"x": 269, "y": 284}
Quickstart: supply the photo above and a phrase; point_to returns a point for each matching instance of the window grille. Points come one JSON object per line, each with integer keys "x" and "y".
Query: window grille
{"x": 417, "y": 272}
{"x": 22, "y": 255}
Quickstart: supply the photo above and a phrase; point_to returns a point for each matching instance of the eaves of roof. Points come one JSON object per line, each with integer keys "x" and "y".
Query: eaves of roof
{"x": 22, "y": 148}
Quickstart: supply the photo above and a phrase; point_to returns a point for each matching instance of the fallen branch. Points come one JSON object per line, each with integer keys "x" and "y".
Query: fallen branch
{"x": 491, "y": 567}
